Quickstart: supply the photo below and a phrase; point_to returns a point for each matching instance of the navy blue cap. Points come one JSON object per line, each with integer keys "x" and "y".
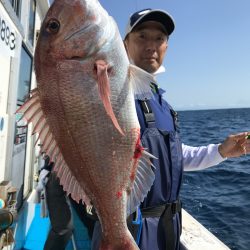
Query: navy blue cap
{"x": 150, "y": 15}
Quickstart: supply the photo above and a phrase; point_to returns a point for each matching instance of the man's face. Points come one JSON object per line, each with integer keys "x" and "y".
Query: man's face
{"x": 146, "y": 45}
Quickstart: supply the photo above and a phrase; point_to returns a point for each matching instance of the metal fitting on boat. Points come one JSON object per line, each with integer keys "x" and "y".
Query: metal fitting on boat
{"x": 6, "y": 219}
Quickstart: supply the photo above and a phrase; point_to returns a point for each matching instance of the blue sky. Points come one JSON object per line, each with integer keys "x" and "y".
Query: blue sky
{"x": 208, "y": 59}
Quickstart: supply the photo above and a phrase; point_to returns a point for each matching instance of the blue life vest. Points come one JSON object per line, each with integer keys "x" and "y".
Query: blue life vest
{"x": 159, "y": 134}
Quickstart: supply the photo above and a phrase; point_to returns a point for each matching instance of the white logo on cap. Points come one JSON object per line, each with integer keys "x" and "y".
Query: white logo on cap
{"x": 143, "y": 12}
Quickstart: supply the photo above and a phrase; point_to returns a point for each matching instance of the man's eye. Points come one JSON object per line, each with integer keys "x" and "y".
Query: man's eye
{"x": 161, "y": 38}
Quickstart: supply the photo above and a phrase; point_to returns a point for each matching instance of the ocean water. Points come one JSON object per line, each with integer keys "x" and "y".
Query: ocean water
{"x": 218, "y": 197}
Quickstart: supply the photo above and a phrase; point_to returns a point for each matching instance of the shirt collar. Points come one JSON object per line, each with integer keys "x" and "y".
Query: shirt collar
{"x": 161, "y": 70}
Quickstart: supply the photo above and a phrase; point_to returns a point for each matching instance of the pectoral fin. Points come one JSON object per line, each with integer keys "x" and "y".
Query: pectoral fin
{"x": 104, "y": 91}
{"x": 140, "y": 81}
{"x": 142, "y": 180}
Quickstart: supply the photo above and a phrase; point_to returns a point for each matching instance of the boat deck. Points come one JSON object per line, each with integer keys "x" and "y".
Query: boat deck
{"x": 30, "y": 232}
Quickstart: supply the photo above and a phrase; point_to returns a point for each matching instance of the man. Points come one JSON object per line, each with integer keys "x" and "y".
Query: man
{"x": 59, "y": 214}
{"x": 59, "y": 206}
{"x": 146, "y": 42}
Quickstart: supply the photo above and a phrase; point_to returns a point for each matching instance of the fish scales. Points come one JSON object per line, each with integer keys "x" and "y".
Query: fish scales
{"x": 86, "y": 90}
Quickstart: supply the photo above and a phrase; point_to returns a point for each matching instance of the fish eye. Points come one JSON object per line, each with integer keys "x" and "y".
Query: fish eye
{"x": 53, "y": 26}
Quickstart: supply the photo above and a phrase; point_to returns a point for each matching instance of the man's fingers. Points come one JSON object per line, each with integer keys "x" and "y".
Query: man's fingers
{"x": 240, "y": 138}
{"x": 240, "y": 135}
{"x": 244, "y": 150}
{"x": 247, "y": 146}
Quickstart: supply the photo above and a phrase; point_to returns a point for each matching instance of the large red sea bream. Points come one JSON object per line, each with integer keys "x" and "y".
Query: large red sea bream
{"x": 84, "y": 112}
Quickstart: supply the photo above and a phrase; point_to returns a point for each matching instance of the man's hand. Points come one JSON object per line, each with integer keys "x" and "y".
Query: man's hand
{"x": 235, "y": 145}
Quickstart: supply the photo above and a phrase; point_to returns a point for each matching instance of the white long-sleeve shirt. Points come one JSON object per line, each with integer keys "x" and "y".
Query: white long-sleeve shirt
{"x": 197, "y": 158}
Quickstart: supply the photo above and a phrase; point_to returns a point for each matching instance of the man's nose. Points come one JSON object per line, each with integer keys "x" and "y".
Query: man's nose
{"x": 151, "y": 45}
